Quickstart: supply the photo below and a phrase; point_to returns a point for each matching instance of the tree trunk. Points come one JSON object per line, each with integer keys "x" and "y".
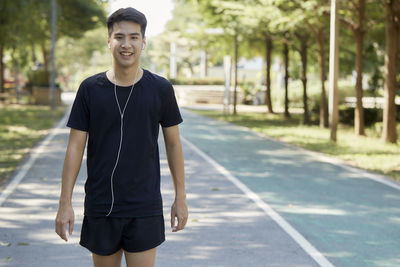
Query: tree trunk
{"x": 235, "y": 73}
{"x": 45, "y": 55}
{"x": 286, "y": 58}
{"x": 268, "y": 47}
{"x": 303, "y": 54}
{"x": 323, "y": 108}
{"x": 359, "y": 110}
{"x": 34, "y": 58}
{"x": 391, "y": 60}
{"x": 206, "y": 66}
{"x": 2, "y": 89}
{"x": 358, "y": 32}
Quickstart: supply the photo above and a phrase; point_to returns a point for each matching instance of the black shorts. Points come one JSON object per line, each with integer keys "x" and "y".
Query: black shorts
{"x": 106, "y": 235}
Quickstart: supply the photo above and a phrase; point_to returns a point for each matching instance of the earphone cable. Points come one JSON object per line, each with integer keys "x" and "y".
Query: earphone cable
{"x": 122, "y": 113}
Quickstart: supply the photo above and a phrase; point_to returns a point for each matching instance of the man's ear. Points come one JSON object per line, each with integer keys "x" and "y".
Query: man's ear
{"x": 144, "y": 43}
{"x": 108, "y": 43}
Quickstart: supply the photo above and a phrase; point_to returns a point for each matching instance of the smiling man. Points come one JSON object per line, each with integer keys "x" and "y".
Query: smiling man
{"x": 119, "y": 112}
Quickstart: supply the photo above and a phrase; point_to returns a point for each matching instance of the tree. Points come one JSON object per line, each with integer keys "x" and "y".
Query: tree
{"x": 317, "y": 23}
{"x": 230, "y": 16}
{"x": 25, "y": 23}
{"x": 353, "y": 16}
{"x": 264, "y": 33}
{"x": 391, "y": 63}
{"x": 12, "y": 30}
{"x": 294, "y": 18}
{"x": 304, "y": 38}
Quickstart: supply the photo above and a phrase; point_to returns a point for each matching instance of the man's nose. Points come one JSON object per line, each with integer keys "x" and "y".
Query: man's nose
{"x": 126, "y": 43}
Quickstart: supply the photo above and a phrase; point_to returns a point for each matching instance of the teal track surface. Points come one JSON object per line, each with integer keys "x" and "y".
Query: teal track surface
{"x": 350, "y": 219}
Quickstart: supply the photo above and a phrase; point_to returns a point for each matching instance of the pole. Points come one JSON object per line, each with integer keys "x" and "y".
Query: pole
{"x": 53, "y": 47}
{"x": 172, "y": 61}
{"x": 333, "y": 72}
{"x": 235, "y": 73}
{"x": 227, "y": 92}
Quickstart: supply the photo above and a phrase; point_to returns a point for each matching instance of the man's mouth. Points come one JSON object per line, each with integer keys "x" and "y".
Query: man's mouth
{"x": 126, "y": 53}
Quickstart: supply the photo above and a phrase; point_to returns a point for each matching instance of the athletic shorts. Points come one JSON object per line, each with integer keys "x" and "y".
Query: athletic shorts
{"x": 106, "y": 235}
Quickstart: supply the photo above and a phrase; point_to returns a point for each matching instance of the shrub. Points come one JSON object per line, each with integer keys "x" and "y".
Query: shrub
{"x": 197, "y": 81}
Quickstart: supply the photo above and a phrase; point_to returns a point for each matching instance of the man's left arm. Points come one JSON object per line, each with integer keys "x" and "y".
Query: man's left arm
{"x": 173, "y": 148}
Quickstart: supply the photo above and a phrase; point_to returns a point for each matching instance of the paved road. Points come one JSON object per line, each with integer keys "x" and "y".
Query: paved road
{"x": 321, "y": 207}
{"x": 348, "y": 217}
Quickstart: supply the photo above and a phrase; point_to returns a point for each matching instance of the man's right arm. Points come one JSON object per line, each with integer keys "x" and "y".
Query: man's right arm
{"x": 72, "y": 165}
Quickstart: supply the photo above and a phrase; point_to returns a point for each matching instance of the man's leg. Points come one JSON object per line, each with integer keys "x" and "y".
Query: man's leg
{"x": 143, "y": 259}
{"x": 113, "y": 260}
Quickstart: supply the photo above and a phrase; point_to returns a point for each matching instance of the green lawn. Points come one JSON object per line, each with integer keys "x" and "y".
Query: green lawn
{"x": 21, "y": 126}
{"x": 366, "y": 152}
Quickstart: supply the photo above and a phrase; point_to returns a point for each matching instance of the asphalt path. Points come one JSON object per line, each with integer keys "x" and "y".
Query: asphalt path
{"x": 252, "y": 202}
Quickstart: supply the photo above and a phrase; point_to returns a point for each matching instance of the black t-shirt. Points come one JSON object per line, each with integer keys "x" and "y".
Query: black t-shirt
{"x": 136, "y": 180}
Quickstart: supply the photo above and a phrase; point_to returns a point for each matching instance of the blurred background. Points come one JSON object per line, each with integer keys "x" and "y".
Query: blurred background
{"x": 199, "y": 34}
{"x": 271, "y": 52}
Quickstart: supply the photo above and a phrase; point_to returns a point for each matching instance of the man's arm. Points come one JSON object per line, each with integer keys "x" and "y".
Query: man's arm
{"x": 72, "y": 165}
{"x": 173, "y": 148}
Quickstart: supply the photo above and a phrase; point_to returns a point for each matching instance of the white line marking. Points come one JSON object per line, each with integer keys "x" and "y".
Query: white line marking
{"x": 35, "y": 153}
{"x": 307, "y": 246}
{"x": 379, "y": 178}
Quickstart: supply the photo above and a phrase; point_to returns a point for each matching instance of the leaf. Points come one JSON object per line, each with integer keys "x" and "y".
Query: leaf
{"x": 23, "y": 244}
{"x": 215, "y": 189}
{"x": 5, "y": 244}
{"x": 8, "y": 258}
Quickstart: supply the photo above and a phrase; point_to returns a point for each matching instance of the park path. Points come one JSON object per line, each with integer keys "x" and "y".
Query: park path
{"x": 350, "y": 216}
{"x": 321, "y": 211}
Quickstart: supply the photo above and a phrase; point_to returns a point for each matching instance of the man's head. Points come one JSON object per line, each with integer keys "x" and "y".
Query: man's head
{"x": 127, "y": 14}
{"x": 126, "y": 40}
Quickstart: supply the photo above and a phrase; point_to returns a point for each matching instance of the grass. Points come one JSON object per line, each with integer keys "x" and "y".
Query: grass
{"x": 21, "y": 126}
{"x": 366, "y": 152}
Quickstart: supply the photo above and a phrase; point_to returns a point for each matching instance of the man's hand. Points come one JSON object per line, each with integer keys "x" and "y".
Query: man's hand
{"x": 179, "y": 211}
{"x": 65, "y": 216}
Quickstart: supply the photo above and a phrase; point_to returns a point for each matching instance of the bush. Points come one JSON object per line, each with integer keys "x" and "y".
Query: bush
{"x": 371, "y": 115}
{"x": 39, "y": 78}
{"x": 197, "y": 81}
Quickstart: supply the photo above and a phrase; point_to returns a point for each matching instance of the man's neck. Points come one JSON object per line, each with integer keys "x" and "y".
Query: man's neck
{"x": 126, "y": 76}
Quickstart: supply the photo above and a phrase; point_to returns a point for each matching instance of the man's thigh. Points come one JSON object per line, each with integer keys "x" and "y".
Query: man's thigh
{"x": 113, "y": 260}
{"x": 143, "y": 259}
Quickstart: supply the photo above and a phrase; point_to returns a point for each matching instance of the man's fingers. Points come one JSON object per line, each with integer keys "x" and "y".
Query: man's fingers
{"x": 71, "y": 227}
{"x": 181, "y": 223}
{"x": 61, "y": 230}
{"x": 172, "y": 221}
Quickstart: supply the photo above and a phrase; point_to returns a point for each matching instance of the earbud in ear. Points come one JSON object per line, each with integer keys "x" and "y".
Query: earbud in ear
{"x": 109, "y": 46}
{"x": 143, "y": 46}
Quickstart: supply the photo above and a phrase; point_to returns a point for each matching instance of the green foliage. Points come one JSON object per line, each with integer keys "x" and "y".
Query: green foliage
{"x": 25, "y": 25}
{"x": 39, "y": 78}
{"x": 196, "y": 81}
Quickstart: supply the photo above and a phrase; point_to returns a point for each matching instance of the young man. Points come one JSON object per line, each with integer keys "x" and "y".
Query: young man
{"x": 120, "y": 111}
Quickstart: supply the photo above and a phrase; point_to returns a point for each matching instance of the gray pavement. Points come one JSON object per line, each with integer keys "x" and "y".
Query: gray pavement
{"x": 351, "y": 220}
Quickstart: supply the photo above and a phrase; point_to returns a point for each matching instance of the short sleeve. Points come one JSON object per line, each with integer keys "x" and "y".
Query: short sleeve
{"x": 79, "y": 116}
{"x": 170, "y": 115}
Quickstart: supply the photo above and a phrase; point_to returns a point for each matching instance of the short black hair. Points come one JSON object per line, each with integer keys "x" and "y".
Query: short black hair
{"x": 127, "y": 14}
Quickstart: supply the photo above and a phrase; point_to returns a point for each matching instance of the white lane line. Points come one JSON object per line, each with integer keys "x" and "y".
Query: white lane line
{"x": 34, "y": 155}
{"x": 307, "y": 246}
{"x": 379, "y": 178}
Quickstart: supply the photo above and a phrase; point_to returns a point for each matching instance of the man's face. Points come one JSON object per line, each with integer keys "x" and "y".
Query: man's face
{"x": 126, "y": 42}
